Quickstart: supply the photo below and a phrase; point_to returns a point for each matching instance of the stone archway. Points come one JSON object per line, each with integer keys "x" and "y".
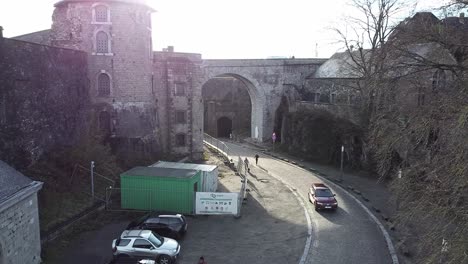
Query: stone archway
{"x": 224, "y": 127}
{"x": 240, "y": 106}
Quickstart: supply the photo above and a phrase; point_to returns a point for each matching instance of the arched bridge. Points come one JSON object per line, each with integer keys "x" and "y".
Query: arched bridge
{"x": 267, "y": 82}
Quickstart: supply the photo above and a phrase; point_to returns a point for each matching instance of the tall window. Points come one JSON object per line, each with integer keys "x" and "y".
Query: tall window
{"x": 101, "y": 13}
{"x": 179, "y": 89}
{"x": 103, "y": 85}
{"x": 438, "y": 80}
{"x": 105, "y": 123}
{"x": 421, "y": 96}
{"x": 180, "y": 117}
{"x": 102, "y": 42}
{"x": 180, "y": 140}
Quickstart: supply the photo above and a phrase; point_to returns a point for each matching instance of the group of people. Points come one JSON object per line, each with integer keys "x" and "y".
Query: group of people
{"x": 246, "y": 161}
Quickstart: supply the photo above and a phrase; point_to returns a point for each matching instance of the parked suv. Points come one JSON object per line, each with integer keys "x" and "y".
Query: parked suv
{"x": 173, "y": 226}
{"x": 322, "y": 197}
{"x": 144, "y": 244}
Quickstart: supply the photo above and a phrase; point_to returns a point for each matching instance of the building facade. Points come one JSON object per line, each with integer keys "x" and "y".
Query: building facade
{"x": 19, "y": 218}
{"x": 140, "y": 100}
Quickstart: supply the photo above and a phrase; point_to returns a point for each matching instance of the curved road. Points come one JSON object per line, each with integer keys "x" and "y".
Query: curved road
{"x": 348, "y": 235}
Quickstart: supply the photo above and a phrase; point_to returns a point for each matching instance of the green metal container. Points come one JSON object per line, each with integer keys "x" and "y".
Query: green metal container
{"x": 161, "y": 189}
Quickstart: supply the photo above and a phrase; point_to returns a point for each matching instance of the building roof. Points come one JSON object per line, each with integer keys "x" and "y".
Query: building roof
{"x": 139, "y": 2}
{"x": 11, "y": 181}
{"x": 39, "y": 37}
{"x": 340, "y": 65}
{"x": 160, "y": 172}
{"x": 185, "y": 166}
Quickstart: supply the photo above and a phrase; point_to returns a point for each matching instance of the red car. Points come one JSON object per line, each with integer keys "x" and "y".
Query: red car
{"x": 322, "y": 197}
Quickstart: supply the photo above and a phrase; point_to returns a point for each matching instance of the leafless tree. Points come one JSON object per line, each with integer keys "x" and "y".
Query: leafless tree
{"x": 364, "y": 39}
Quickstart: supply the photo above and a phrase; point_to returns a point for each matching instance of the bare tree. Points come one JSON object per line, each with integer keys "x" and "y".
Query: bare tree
{"x": 364, "y": 39}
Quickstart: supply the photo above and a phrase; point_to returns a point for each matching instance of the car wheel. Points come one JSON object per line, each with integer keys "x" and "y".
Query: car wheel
{"x": 164, "y": 259}
{"x": 315, "y": 207}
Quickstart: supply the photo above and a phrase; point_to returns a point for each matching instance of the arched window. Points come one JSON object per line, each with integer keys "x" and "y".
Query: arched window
{"x": 101, "y": 13}
{"x": 102, "y": 42}
{"x": 438, "y": 80}
{"x": 180, "y": 140}
{"x": 103, "y": 84}
{"x": 105, "y": 123}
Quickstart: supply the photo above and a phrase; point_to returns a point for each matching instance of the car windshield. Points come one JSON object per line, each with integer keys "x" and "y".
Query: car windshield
{"x": 323, "y": 193}
{"x": 156, "y": 239}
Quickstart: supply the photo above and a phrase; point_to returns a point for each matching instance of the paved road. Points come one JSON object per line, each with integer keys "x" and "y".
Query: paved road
{"x": 346, "y": 236}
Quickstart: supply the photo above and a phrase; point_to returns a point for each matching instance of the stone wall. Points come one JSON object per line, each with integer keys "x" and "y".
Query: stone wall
{"x": 44, "y": 99}
{"x": 19, "y": 231}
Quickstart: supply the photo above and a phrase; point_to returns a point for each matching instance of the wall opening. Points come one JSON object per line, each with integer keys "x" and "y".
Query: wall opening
{"x": 227, "y": 107}
{"x": 224, "y": 127}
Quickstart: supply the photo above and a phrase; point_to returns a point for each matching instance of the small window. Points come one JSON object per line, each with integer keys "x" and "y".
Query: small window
{"x": 103, "y": 85}
{"x": 102, "y": 42}
{"x": 101, "y": 13}
{"x": 174, "y": 221}
{"x": 142, "y": 243}
{"x": 180, "y": 140}
{"x": 164, "y": 221}
{"x": 180, "y": 117}
{"x": 179, "y": 89}
{"x": 152, "y": 220}
{"x": 438, "y": 80}
{"x": 105, "y": 122}
{"x": 324, "y": 98}
{"x": 421, "y": 97}
{"x": 123, "y": 242}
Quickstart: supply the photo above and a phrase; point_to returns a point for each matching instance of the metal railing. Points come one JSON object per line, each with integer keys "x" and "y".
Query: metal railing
{"x": 218, "y": 144}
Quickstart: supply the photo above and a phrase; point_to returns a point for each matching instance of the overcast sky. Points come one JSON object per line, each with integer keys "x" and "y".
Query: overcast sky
{"x": 220, "y": 29}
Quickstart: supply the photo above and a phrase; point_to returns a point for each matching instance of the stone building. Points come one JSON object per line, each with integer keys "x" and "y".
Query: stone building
{"x": 19, "y": 218}
{"x": 141, "y": 101}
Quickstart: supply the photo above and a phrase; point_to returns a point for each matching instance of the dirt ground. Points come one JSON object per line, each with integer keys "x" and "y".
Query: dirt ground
{"x": 272, "y": 228}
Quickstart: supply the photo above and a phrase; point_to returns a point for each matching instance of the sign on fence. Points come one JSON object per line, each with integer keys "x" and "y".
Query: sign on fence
{"x": 214, "y": 203}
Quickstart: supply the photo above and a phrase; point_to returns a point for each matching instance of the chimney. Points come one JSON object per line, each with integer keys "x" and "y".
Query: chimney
{"x": 1, "y": 32}
{"x": 170, "y": 48}
{"x": 462, "y": 15}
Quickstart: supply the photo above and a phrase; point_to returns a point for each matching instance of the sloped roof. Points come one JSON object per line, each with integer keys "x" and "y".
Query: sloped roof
{"x": 340, "y": 65}
{"x": 185, "y": 166}
{"x": 160, "y": 172}
{"x": 140, "y": 2}
{"x": 11, "y": 181}
{"x": 39, "y": 37}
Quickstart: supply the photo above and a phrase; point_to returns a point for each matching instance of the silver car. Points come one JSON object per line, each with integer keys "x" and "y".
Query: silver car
{"x": 144, "y": 244}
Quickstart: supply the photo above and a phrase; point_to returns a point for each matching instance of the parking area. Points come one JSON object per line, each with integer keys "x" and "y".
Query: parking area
{"x": 271, "y": 229}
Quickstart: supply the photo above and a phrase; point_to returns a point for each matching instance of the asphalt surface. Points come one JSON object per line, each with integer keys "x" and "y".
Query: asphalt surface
{"x": 348, "y": 235}
{"x": 272, "y": 229}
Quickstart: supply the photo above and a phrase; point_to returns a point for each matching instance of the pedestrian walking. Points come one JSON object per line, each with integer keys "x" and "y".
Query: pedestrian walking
{"x": 202, "y": 260}
{"x": 246, "y": 162}
{"x": 256, "y": 159}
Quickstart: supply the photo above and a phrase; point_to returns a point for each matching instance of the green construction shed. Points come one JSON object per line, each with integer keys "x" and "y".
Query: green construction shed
{"x": 162, "y": 189}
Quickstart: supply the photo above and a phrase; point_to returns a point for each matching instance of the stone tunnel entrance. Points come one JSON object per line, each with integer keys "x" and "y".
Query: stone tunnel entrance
{"x": 227, "y": 107}
{"x": 224, "y": 126}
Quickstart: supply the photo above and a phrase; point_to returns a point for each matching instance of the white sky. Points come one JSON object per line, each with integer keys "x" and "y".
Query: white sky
{"x": 220, "y": 29}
